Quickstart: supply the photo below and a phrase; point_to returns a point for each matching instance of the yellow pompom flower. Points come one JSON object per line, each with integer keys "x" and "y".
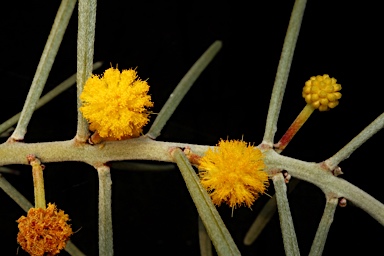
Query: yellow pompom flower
{"x": 322, "y": 92}
{"x": 233, "y": 172}
{"x": 44, "y": 231}
{"x": 115, "y": 104}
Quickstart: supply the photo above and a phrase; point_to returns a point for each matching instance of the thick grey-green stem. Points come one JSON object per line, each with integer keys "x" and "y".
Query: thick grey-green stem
{"x": 356, "y": 142}
{"x": 213, "y": 223}
{"x": 46, "y": 61}
{"x": 85, "y": 49}
{"x": 182, "y": 88}
{"x": 283, "y": 71}
{"x": 315, "y": 173}
{"x": 324, "y": 226}
{"x": 147, "y": 149}
{"x": 204, "y": 240}
{"x": 105, "y": 212}
{"x": 286, "y": 222}
{"x": 46, "y": 98}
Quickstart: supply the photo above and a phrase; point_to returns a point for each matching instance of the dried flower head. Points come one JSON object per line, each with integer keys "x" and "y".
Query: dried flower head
{"x": 232, "y": 172}
{"x": 115, "y": 103}
{"x": 44, "y": 231}
{"x": 322, "y": 92}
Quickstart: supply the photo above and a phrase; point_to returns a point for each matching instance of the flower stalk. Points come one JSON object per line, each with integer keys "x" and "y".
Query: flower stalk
{"x": 320, "y": 92}
{"x": 44, "y": 231}
{"x": 38, "y": 181}
{"x": 294, "y": 128}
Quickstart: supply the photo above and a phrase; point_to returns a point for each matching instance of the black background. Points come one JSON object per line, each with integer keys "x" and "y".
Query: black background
{"x": 152, "y": 211}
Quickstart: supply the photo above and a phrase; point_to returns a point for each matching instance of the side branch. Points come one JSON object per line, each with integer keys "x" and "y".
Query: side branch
{"x": 67, "y": 83}
{"x": 46, "y": 61}
{"x": 286, "y": 223}
{"x": 356, "y": 142}
{"x": 105, "y": 211}
{"x": 182, "y": 88}
{"x": 85, "y": 50}
{"x": 283, "y": 71}
{"x": 324, "y": 226}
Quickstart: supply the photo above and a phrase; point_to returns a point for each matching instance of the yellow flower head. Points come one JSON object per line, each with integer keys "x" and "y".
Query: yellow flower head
{"x": 232, "y": 172}
{"x": 44, "y": 231}
{"x": 115, "y": 103}
{"x": 322, "y": 92}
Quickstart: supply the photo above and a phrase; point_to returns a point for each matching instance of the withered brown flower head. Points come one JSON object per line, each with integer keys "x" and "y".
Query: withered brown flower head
{"x": 44, "y": 231}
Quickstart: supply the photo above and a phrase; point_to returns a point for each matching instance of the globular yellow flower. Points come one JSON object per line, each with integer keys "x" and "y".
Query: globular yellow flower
{"x": 44, "y": 231}
{"x": 115, "y": 104}
{"x": 233, "y": 173}
{"x": 322, "y": 92}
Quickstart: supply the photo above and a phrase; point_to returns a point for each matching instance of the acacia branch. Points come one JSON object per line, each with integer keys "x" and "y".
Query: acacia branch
{"x": 144, "y": 148}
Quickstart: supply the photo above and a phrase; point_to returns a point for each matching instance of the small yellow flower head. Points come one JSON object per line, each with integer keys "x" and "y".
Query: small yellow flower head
{"x": 115, "y": 103}
{"x": 232, "y": 172}
{"x": 44, "y": 231}
{"x": 322, "y": 92}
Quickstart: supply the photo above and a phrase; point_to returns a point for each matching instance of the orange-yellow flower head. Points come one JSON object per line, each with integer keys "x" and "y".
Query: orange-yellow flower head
{"x": 115, "y": 103}
{"x": 44, "y": 231}
{"x": 232, "y": 172}
{"x": 322, "y": 92}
